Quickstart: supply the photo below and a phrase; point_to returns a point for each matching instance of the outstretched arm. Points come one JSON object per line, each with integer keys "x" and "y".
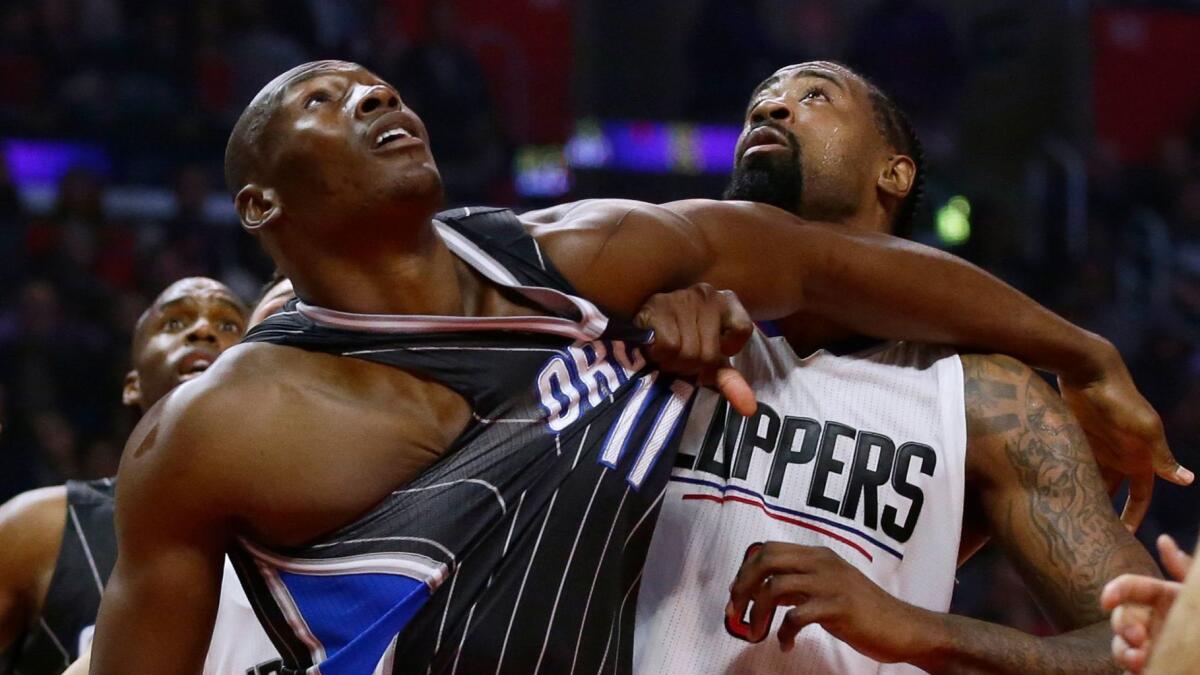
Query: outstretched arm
{"x": 31, "y": 528}
{"x": 619, "y": 252}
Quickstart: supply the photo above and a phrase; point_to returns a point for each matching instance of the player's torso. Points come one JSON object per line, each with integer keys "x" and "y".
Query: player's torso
{"x": 862, "y": 454}
{"x": 531, "y": 524}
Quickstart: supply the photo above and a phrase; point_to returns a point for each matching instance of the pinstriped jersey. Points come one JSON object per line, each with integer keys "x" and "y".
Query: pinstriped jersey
{"x": 85, "y": 561}
{"x": 520, "y": 549}
{"x": 864, "y": 454}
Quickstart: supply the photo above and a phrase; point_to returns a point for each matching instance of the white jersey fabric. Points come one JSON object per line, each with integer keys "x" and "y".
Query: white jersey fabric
{"x": 239, "y": 644}
{"x": 863, "y": 454}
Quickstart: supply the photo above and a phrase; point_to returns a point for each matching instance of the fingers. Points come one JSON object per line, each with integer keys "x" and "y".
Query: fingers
{"x": 1141, "y": 489}
{"x": 1175, "y": 561}
{"x": 783, "y": 589}
{"x": 737, "y": 391}
{"x": 736, "y": 326}
{"x": 770, "y": 559}
{"x": 1130, "y": 659}
{"x": 808, "y": 612}
{"x": 695, "y": 329}
{"x": 1132, "y": 623}
{"x": 1137, "y": 589}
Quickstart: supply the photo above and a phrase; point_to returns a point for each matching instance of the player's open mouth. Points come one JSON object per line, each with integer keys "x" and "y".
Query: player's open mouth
{"x": 194, "y": 364}
{"x": 764, "y": 139}
{"x": 392, "y": 136}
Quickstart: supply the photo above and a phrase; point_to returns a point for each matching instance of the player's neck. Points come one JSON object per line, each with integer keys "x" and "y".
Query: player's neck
{"x": 420, "y": 277}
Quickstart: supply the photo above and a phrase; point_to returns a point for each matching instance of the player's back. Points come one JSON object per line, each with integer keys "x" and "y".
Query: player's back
{"x": 863, "y": 454}
{"x": 522, "y": 546}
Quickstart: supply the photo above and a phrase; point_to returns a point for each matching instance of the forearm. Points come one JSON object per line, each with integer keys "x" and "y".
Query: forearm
{"x": 891, "y": 288}
{"x": 1177, "y": 650}
{"x": 965, "y": 645}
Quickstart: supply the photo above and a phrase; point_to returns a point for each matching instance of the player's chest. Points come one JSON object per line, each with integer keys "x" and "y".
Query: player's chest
{"x": 796, "y": 471}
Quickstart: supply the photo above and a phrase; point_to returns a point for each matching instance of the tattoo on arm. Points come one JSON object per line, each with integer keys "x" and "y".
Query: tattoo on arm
{"x": 1042, "y": 494}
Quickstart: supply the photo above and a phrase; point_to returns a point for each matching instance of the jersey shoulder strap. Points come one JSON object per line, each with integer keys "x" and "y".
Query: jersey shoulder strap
{"x": 476, "y": 233}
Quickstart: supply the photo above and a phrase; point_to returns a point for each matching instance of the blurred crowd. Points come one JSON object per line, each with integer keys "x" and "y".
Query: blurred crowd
{"x": 160, "y": 83}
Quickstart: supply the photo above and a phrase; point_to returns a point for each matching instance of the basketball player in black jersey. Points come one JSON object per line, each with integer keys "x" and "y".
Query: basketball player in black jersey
{"x": 58, "y": 542}
{"x": 1031, "y": 481}
{"x": 333, "y": 175}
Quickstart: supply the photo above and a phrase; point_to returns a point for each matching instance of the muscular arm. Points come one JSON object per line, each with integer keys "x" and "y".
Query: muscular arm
{"x": 1040, "y": 494}
{"x": 779, "y": 265}
{"x": 31, "y": 528}
{"x": 161, "y": 601}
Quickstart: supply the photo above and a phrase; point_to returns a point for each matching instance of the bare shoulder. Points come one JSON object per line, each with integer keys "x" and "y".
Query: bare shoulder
{"x": 31, "y": 526}
{"x": 200, "y": 437}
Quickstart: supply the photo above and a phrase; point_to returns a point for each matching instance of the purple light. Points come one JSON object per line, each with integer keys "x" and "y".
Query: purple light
{"x": 36, "y": 163}
{"x": 655, "y": 147}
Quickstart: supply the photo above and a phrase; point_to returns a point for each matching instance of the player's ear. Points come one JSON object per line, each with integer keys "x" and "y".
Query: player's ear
{"x": 257, "y": 207}
{"x": 131, "y": 394}
{"x": 897, "y": 176}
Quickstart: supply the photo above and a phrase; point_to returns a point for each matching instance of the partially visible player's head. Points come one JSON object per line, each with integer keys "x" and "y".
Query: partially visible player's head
{"x": 179, "y": 336}
{"x": 327, "y": 156}
{"x": 274, "y": 296}
{"x": 822, "y": 142}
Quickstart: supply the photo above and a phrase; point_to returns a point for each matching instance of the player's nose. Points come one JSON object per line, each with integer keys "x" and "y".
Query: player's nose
{"x": 376, "y": 101}
{"x": 770, "y": 108}
{"x": 202, "y": 331}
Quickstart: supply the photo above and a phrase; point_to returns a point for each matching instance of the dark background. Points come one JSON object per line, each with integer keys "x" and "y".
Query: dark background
{"x": 1063, "y": 139}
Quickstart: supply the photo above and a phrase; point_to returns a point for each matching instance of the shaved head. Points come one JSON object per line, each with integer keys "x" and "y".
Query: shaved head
{"x": 247, "y": 143}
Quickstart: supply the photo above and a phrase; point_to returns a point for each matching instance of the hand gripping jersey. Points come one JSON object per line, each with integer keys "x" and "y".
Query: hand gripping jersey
{"x": 863, "y": 454}
{"x": 67, "y": 623}
{"x": 520, "y": 550}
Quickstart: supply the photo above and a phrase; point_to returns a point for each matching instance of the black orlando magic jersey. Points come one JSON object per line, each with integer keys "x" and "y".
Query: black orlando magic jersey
{"x": 85, "y": 561}
{"x": 521, "y": 549}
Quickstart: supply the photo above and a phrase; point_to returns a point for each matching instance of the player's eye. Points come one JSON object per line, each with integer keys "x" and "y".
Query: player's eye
{"x": 815, "y": 92}
{"x": 316, "y": 98}
{"x": 230, "y": 327}
{"x": 173, "y": 325}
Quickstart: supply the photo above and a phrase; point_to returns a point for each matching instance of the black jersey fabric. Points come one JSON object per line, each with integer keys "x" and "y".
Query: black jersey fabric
{"x": 521, "y": 549}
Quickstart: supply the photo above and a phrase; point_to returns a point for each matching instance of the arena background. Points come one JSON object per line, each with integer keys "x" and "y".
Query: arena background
{"x": 1063, "y": 139}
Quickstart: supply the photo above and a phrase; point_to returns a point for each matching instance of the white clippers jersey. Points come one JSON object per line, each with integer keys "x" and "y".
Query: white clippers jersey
{"x": 239, "y": 645}
{"x": 863, "y": 454}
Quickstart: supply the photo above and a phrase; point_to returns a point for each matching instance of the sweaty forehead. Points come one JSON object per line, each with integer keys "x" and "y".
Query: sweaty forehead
{"x": 199, "y": 291}
{"x": 835, "y": 73}
{"x": 277, "y": 88}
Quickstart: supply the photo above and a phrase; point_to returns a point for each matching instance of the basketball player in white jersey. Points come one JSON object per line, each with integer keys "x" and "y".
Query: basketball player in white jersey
{"x": 848, "y": 499}
{"x": 177, "y": 338}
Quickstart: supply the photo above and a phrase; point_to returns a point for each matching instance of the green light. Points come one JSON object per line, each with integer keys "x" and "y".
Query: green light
{"x": 954, "y": 221}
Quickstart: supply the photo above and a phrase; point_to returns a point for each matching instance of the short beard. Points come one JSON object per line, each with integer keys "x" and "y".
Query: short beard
{"x": 778, "y": 181}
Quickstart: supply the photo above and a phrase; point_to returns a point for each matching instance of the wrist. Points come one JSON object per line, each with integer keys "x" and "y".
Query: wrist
{"x": 1096, "y": 360}
{"x": 933, "y": 642}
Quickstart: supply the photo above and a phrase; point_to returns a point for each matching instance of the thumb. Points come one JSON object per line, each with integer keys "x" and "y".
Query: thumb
{"x": 1168, "y": 468}
{"x": 736, "y": 390}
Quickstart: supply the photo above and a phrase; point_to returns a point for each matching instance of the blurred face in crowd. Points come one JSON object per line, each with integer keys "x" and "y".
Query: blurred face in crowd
{"x": 180, "y": 336}
{"x": 811, "y": 145}
{"x": 272, "y": 301}
{"x": 335, "y": 147}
